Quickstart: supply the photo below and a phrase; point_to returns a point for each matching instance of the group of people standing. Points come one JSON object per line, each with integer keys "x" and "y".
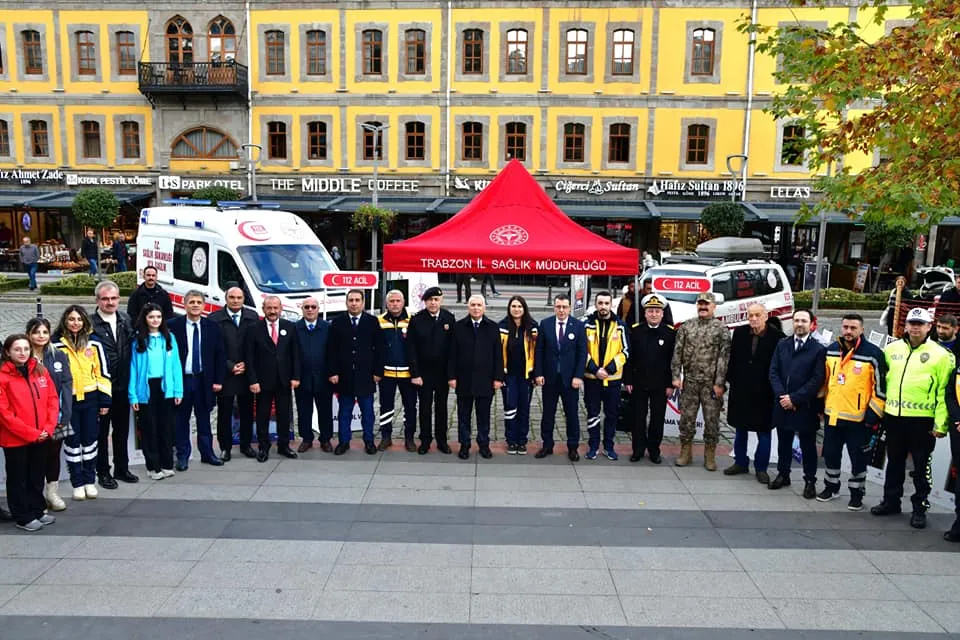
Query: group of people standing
{"x": 74, "y": 386}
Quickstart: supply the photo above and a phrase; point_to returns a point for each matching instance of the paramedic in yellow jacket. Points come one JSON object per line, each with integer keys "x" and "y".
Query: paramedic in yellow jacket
{"x": 607, "y": 352}
{"x": 518, "y": 339}
{"x": 91, "y": 397}
{"x": 854, "y": 387}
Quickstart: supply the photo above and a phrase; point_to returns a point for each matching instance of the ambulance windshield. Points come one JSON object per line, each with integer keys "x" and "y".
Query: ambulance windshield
{"x": 287, "y": 268}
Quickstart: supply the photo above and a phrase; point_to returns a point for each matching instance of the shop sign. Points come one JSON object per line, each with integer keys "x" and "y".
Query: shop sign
{"x": 31, "y": 176}
{"x": 346, "y": 185}
{"x": 597, "y": 187}
{"x": 178, "y": 183}
{"x": 77, "y": 180}
{"x": 695, "y": 188}
{"x": 467, "y": 184}
{"x": 354, "y": 279}
{"x": 790, "y": 192}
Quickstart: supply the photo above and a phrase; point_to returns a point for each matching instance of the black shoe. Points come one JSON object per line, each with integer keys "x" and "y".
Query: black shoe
{"x": 127, "y": 477}
{"x": 225, "y": 455}
{"x": 637, "y": 457}
{"x": 830, "y": 491}
{"x": 5, "y": 515}
{"x": 370, "y": 448}
{"x": 763, "y": 477}
{"x": 735, "y": 470}
{"x": 918, "y": 520}
{"x": 263, "y": 455}
{"x": 326, "y": 447}
{"x": 543, "y": 453}
{"x": 779, "y": 482}
{"x": 107, "y": 481}
{"x": 182, "y": 465}
{"x": 810, "y": 489}
{"x": 248, "y": 452}
{"x": 511, "y": 449}
{"x": 410, "y": 445}
{"x": 521, "y": 449}
{"x": 444, "y": 448}
{"x": 655, "y": 457}
{"x": 856, "y": 500}
{"x": 885, "y": 509}
{"x": 951, "y": 536}
{"x": 485, "y": 453}
{"x": 213, "y": 462}
{"x": 385, "y": 443}
{"x": 287, "y": 452}
{"x": 573, "y": 455}
{"x": 464, "y": 453}
{"x": 424, "y": 448}
{"x": 341, "y": 449}
{"x": 304, "y": 446}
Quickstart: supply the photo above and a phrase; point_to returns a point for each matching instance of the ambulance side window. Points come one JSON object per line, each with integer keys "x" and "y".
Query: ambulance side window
{"x": 190, "y": 261}
{"x": 228, "y": 275}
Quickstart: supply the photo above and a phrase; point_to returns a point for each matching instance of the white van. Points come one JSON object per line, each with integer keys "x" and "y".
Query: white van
{"x": 212, "y": 248}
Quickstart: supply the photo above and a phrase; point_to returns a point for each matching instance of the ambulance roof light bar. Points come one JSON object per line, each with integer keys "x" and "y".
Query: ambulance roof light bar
{"x": 247, "y": 204}
{"x": 186, "y": 202}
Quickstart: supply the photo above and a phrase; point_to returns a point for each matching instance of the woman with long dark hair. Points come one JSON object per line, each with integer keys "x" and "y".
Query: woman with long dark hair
{"x": 28, "y": 416}
{"x": 518, "y": 338}
{"x": 91, "y": 397}
{"x": 58, "y": 369}
{"x": 156, "y": 385}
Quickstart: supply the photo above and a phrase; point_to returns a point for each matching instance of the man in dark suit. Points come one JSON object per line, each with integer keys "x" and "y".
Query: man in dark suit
{"x": 353, "y": 357}
{"x": 273, "y": 370}
{"x": 647, "y": 376}
{"x": 234, "y": 320}
{"x": 797, "y": 372}
{"x": 475, "y": 372}
{"x": 114, "y": 330}
{"x": 314, "y": 389}
{"x": 428, "y": 340}
{"x": 558, "y": 369}
{"x": 202, "y": 358}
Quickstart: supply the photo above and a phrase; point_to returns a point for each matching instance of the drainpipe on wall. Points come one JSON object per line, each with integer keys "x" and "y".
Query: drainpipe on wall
{"x": 451, "y": 42}
{"x": 250, "y": 168}
{"x": 747, "y": 121}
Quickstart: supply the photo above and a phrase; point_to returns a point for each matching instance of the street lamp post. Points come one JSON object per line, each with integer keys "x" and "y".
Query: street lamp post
{"x": 377, "y": 131}
{"x": 742, "y": 172}
{"x": 252, "y": 166}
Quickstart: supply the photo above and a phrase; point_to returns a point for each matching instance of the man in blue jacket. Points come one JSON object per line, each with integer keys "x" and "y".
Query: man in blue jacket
{"x": 204, "y": 363}
{"x": 314, "y": 389}
{"x": 559, "y": 369}
{"x": 394, "y": 370}
{"x": 797, "y": 372}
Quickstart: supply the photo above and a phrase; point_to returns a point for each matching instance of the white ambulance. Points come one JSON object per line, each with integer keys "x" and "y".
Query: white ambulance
{"x": 212, "y": 248}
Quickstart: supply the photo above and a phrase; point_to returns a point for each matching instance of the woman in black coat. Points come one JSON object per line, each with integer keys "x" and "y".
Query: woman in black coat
{"x": 751, "y": 395}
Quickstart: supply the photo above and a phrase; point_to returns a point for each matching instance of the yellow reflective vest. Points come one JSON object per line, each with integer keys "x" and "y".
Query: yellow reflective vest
{"x": 529, "y": 345}
{"x": 614, "y": 355}
{"x": 855, "y": 383}
{"x": 917, "y": 379}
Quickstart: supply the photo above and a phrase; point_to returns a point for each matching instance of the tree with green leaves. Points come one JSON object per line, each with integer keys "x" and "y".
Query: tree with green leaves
{"x": 887, "y": 236}
{"x": 215, "y": 194}
{"x": 722, "y": 219}
{"x": 896, "y": 97}
{"x": 96, "y": 208}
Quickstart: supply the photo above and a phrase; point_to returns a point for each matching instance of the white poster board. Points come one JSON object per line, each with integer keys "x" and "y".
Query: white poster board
{"x": 578, "y": 295}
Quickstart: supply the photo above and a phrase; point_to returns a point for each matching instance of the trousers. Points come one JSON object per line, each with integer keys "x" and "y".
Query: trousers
{"x": 653, "y": 403}
{"x": 465, "y": 407}
{"x": 694, "y": 397}
{"x": 598, "y": 397}
{"x": 761, "y": 455}
{"x": 323, "y": 401}
{"x": 119, "y": 419}
{"x": 156, "y": 428}
{"x": 225, "y": 403}
{"x": 194, "y": 402}
{"x": 388, "y": 399}
{"x": 555, "y": 391}
{"x": 808, "y": 452}
{"x": 81, "y": 447}
{"x": 345, "y": 417}
{"x": 433, "y": 396}
{"x": 854, "y": 437}
{"x": 265, "y": 400}
{"x": 517, "y": 393}
{"x": 25, "y": 467}
{"x": 908, "y": 436}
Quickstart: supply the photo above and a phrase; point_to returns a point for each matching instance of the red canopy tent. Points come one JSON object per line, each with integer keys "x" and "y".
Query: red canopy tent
{"x": 512, "y": 226}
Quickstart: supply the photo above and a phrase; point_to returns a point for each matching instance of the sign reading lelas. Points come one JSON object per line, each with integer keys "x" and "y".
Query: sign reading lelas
{"x": 680, "y": 284}
{"x": 350, "y": 279}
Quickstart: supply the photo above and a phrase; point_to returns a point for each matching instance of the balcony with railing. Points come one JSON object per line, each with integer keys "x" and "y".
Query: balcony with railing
{"x": 180, "y": 79}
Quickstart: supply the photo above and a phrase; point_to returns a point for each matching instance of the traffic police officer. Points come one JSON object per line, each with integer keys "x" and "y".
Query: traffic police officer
{"x": 396, "y": 374}
{"x": 699, "y": 369}
{"x": 918, "y": 373}
{"x": 647, "y": 376}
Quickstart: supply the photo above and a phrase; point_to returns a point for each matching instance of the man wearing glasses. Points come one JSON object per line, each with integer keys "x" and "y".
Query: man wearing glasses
{"x": 314, "y": 389}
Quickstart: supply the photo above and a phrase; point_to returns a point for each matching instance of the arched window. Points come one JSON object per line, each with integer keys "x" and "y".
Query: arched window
{"x": 204, "y": 142}
{"x": 622, "y": 52}
{"x": 222, "y": 40}
{"x": 179, "y": 41}
{"x": 577, "y": 51}
{"x": 702, "y": 61}
{"x": 517, "y": 51}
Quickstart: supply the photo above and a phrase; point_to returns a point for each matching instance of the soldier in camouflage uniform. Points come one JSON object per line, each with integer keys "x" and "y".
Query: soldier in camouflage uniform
{"x": 701, "y": 356}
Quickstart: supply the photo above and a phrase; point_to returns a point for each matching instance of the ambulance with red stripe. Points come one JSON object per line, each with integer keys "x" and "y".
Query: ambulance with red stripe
{"x": 736, "y": 284}
{"x": 264, "y": 251}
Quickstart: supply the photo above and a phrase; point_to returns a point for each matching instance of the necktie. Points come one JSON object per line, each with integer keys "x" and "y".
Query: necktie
{"x": 560, "y": 335}
{"x": 310, "y": 327}
{"x": 355, "y": 322}
{"x": 799, "y": 344}
{"x": 195, "y": 361}
{"x": 476, "y": 327}
{"x": 273, "y": 333}
{"x": 236, "y": 319}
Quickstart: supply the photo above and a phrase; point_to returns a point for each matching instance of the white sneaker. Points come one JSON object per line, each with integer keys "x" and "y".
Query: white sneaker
{"x": 168, "y": 473}
{"x": 79, "y": 493}
{"x": 90, "y": 490}
{"x": 46, "y": 519}
{"x": 33, "y": 525}
{"x": 54, "y": 502}
{"x": 157, "y": 475}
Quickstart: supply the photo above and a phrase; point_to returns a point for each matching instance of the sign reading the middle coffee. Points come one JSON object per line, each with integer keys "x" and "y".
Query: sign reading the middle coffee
{"x": 345, "y": 185}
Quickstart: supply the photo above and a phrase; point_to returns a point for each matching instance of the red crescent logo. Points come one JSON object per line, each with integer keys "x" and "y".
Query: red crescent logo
{"x": 252, "y": 230}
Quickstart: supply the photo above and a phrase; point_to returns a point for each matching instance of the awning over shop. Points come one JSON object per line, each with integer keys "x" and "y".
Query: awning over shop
{"x": 64, "y": 199}
{"x": 950, "y": 221}
{"x": 671, "y": 210}
{"x": 783, "y": 213}
{"x": 17, "y": 198}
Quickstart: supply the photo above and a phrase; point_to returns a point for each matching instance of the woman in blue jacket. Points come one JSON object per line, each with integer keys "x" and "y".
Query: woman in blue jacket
{"x": 58, "y": 368}
{"x": 156, "y": 385}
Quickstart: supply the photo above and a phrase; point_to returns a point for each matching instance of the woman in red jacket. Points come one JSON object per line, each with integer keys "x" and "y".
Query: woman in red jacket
{"x": 29, "y": 408}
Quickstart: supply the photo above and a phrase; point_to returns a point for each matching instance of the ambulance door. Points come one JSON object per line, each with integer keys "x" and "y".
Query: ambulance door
{"x": 191, "y": 270}
{"x": 229, "y": 275}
